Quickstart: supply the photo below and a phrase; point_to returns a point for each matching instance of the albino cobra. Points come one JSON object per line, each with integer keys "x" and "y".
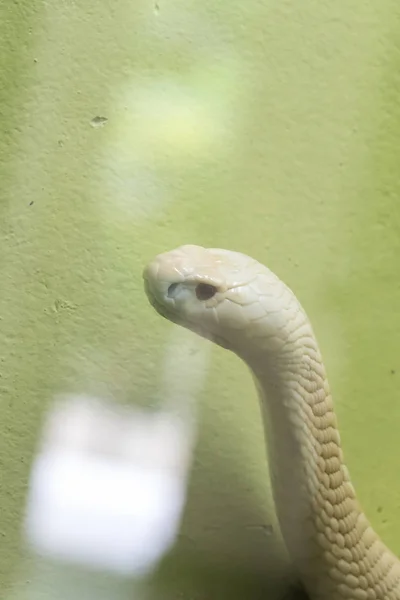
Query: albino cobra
{"x": 241, "y": 305}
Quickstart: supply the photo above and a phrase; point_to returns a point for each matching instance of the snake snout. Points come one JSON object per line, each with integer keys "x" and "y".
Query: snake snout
{"x": 152, "y": 280}
{"x": 162, "y": 283}
{"x": 150, "y": 272}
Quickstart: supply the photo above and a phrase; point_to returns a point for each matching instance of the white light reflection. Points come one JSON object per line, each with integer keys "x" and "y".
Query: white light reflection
{"x": 106, "y": 488}
{"x": 108, "y": 485}
{"x": 163, "y": 126}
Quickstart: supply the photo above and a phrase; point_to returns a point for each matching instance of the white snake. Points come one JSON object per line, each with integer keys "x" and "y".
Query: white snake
{"x": 242, "y": 306}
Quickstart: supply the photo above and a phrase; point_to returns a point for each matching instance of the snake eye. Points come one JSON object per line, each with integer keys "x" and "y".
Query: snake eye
{"x": 205, "y": 291}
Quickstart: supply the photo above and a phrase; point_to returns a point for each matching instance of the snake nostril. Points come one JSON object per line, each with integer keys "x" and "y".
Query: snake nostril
{"x": 205, "y": 291}
{"x": 171, "y": 292}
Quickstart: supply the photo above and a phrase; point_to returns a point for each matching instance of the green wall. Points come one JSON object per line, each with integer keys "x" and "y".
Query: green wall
{"x": 266, "y": 127}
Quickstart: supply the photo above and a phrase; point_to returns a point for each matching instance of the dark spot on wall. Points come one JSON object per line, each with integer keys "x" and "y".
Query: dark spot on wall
{"x": 98, "y": 121}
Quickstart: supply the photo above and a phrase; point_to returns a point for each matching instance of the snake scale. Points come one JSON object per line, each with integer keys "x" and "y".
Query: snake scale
{"x": 239, "y": 304}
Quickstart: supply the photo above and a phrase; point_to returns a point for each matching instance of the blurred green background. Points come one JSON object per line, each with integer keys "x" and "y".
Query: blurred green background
{"x": 131, "y": 127}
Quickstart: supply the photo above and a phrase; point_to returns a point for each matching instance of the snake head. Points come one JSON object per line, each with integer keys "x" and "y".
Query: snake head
{"x": 223, "y": 296}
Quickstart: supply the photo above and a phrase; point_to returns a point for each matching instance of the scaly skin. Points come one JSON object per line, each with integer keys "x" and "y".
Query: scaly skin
{"x": 241, "y": 305}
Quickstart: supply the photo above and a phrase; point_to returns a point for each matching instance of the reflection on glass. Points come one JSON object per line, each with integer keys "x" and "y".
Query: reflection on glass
{"x": 108, "y": 484}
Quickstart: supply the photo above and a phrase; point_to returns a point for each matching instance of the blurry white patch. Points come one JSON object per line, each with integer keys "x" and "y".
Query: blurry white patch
{"x": 108, "y": 486}
{"x": 163, "y": 126}
{"x": 164, "y": 119}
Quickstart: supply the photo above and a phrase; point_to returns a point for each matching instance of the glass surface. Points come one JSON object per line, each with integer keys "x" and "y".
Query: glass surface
{"x": 129, "y": 128}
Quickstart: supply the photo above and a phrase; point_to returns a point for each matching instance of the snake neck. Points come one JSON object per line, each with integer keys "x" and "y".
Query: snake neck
{"x": 329, "y": 539}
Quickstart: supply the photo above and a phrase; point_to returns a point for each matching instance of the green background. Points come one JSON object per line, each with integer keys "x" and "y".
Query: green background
{"x": 267, "y": 127}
